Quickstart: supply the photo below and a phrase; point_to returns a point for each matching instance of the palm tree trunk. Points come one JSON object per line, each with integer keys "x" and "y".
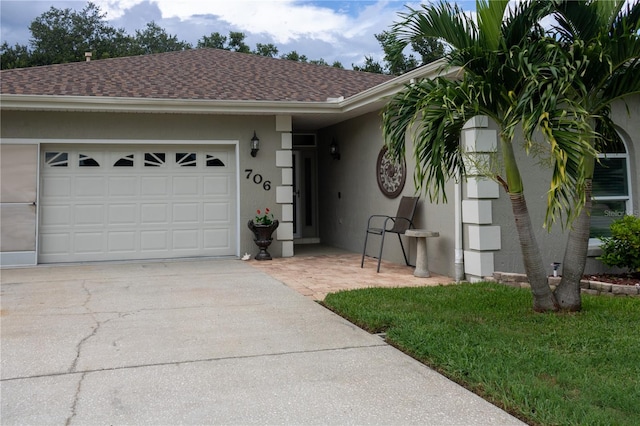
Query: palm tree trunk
{"x": 543, "y": 298}
{"x": 575, "y": 257}
{"x": 575, "y": 254}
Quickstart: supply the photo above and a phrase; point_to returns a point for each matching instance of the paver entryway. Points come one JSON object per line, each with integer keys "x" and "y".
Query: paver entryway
{"x": 317, "y": 274}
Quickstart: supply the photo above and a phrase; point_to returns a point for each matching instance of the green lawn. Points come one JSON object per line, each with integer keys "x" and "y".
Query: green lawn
{"x": 548, "y": 369}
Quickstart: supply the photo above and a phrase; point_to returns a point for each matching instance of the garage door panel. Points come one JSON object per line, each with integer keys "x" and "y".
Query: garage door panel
{"x": 123, "y": 214}
{"x": 155, "y": 213}
{"x": 217, "y": 212}
{"x": 86, "y": 186}
{"x": 56, "y": 187}
{"x": 125, "y": 186}
{"x": 89, "y": 215}
{"x": 186, "y": 239}
{"x": 88, "y": 242}
{"x": 122, "y": 242}
{"x": 152, "y": 186}
{"x": 185, "y": 213}
{"x": 154, "y": 240}
{"x": 55, "y": 243}
{"x": 137, "y": 203}
{"x": 217, "y": 239}
{"x": 56, "y": 216}
{"x": 218, "y": 186}
{"x": 186, "y": 186}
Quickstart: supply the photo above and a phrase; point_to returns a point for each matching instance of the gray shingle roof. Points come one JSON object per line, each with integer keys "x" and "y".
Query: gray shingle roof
{"x": 203, "y": 74}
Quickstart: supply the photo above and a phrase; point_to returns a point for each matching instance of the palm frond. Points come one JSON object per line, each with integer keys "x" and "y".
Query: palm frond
{"x": 583, "y": 19}
{"x": 490, "y": 15}
{"x": 522, "y": 22}
{"x": 431, "y": 113}
{"x": 607, "y": 134}
{"x": 444, "y": 21}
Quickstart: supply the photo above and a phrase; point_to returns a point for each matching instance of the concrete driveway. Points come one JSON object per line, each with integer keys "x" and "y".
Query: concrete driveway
{"x": 202, "y": 342}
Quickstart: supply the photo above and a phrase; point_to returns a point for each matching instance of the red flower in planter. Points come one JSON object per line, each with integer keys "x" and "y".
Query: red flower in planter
{"x": 263, "y": 219}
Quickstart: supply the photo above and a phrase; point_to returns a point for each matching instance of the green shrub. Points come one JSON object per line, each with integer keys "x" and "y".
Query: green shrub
{"x": 622, "y": 249}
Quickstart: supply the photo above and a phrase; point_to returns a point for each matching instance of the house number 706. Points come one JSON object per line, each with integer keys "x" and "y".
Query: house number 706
{"x": 257, "y": 179}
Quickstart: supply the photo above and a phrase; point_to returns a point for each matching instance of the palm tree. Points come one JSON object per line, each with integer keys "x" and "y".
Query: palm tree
{"x": 512, "y": 72}
{"x": 607, "y": 33}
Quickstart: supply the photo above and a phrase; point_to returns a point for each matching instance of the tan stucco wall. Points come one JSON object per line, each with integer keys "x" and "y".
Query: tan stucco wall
{"x": 349, "y": 194}
{"x": 343, "y": 218}
{"x": 49, "y": 126}
{"x": 536, "y": 179}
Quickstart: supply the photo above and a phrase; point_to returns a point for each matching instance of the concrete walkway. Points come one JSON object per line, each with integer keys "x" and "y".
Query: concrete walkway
{"x": 202, "y": 342}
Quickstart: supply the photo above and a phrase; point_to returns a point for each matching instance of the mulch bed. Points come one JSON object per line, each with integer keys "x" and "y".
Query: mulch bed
{"x": 632, "y": 278}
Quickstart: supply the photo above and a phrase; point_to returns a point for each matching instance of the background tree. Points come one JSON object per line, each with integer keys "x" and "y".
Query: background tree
{"x": 370, "y": 65}
{"x": 269, "y": 50}
{"x": 215, "y": 40}
{"x": 396, "y": 62}
{"x": 155, "y": 39}
{"x": 294, "y": 56}
{"x": 515, "y": 75}
{"x": 236, "y": 42}
{"x": 429, "y": 49}
{"x": 64, "y": 35}
{"x": 14, "y": 57}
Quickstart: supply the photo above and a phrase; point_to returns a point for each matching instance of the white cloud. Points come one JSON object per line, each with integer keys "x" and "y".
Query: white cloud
{"x": 116, "y": 8}
{"x": 281, "y": 20}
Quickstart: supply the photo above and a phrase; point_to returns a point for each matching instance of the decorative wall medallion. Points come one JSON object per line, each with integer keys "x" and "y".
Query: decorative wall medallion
{"x": 391, "y": 174}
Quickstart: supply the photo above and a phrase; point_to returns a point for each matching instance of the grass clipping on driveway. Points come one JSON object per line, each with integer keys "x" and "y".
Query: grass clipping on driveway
{"x": 569, "y": 368}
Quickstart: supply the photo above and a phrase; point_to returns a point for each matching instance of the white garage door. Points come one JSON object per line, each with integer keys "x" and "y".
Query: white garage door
{"x": 121, "y": 202}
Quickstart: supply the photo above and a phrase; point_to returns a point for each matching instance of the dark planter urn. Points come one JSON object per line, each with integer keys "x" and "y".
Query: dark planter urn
{"x": 263, "y": 237}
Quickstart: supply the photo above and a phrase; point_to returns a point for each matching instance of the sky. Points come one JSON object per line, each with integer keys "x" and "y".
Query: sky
{"x": 334, "y": 30}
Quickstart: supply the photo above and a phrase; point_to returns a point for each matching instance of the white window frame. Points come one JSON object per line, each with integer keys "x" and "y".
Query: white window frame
{"x": 596, "y": 242}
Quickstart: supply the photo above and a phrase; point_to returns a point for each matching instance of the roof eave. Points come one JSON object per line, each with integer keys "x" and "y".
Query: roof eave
{"x": 155, "y": 105}
{"x": 382, "y": 92}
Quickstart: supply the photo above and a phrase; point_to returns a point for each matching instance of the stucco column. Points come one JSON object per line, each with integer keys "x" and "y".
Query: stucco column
{"x": 483, "y": 238}
{"x": 284, "y": 192}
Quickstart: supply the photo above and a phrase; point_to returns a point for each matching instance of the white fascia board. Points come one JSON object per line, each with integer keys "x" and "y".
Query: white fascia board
{"x": 150, "y": 105}
{"x": 384, "y": 91}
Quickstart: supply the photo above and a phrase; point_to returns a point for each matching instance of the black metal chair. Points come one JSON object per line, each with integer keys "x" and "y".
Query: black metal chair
{"x": 397, "y": 224}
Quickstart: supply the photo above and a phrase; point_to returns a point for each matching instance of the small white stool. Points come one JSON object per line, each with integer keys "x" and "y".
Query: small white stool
{"x": 421, "y": 235}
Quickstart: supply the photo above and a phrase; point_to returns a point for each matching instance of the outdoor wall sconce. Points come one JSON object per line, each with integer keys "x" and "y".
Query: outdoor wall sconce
{"x": 334, "y": 150}
{"x": 255, "y": 144}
